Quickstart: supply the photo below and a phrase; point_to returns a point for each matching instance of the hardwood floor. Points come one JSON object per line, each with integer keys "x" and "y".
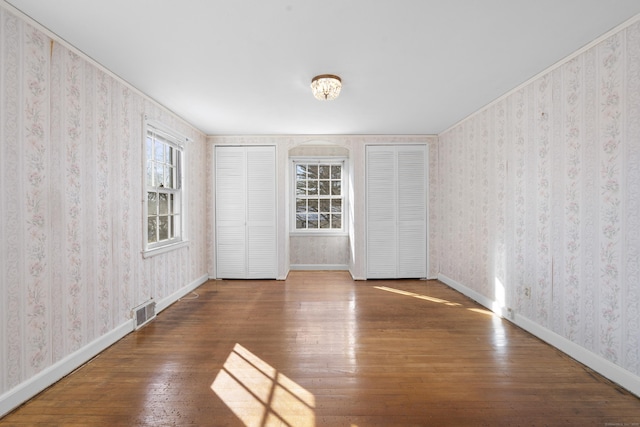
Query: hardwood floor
{"x": 322, "y": 350}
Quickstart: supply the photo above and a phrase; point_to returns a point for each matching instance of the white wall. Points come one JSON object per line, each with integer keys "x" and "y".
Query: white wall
{"x": 71, "y": 173}
{"x": 539, "y": 205}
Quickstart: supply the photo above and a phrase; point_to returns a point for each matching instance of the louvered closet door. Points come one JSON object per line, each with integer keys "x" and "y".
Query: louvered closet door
{"x": 381, "y": 212}
{"x": 261, "y": 212}
{"x": 245, "y": 213}
{"x": 396, "y": 211}
{"x": 412, "y": 211}
{"x": 230, "y": 212}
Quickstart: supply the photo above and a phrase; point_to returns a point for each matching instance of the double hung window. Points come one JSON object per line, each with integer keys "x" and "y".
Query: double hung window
{"x": 163, "y": 187}
{"x": 320, "y": 195}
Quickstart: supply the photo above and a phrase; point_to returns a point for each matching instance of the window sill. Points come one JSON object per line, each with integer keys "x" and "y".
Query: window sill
{"x": 148, "y": 253}
{"x": 318, "y": 233}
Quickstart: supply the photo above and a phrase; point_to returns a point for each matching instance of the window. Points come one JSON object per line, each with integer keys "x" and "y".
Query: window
{"x": 320, "y": 195}
{"x": 163, "y": 206}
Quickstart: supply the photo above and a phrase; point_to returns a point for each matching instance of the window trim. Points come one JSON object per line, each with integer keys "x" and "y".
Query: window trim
{"x": 344, "y": 162}
{"x": 178, "y": 142}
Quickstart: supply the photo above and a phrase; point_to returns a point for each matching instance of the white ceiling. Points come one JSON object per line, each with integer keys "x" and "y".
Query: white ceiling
{"x": 242, "y": 67}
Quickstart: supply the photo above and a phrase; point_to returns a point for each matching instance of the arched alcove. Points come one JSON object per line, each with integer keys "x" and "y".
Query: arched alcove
{"x": 320, "y": 250}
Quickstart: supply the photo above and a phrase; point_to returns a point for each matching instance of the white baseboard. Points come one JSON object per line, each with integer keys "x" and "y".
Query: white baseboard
{"x": 479, "y": 298}
{"x": 167, "y": 301}
{"x": 319, "y": 267}
{"x": 604, "y": 367}
{"x": 354, "y": 277}
{"x": 34, "y": 385}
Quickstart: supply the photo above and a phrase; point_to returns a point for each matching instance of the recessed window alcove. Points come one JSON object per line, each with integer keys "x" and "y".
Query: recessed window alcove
{"x": 323, "y": 249}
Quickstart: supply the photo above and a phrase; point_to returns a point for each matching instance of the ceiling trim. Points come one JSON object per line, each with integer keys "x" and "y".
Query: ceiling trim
{"x": 548, "y": 70}
{"x": 57, "y": 39}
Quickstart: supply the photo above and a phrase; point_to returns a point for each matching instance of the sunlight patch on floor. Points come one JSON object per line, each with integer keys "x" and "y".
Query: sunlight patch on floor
{"x": 259, "y": 395}
{"x": 433, "y": 299}
{"x": 419, "y": 296}
{"x": 482, "y": 311}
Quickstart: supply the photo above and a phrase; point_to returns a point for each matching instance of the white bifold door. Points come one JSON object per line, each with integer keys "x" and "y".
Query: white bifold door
{"x": 246, "y": 224}
{"x": 396, "y": 206}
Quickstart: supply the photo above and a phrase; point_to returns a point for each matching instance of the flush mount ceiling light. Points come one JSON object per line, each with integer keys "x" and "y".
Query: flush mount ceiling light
{"x": 326, "y": 87}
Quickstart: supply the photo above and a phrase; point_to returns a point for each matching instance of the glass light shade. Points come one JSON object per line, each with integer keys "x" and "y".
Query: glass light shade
{"x": 326, "y": 87}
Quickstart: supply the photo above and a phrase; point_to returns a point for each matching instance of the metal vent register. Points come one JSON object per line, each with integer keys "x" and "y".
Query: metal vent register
{"x": 144, "y": 313}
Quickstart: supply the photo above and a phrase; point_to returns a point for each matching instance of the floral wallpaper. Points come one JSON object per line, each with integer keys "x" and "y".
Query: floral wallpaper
{"x": 71, "y": 267}
{"x": 539, "y": 200}
{"x": 319, "y": 250}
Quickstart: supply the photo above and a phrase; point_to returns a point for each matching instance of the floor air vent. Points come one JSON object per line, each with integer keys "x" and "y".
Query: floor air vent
{"x": 144, "y": 313}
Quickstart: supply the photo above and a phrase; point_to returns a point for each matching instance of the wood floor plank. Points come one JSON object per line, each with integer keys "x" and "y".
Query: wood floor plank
{"x": 322, "y": 350}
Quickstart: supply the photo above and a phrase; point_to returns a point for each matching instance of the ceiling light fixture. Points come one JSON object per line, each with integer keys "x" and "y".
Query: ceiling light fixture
{"x": 326, "y": 87}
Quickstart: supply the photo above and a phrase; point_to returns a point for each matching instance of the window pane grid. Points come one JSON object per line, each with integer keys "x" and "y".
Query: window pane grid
{"x": 318, "y": 196}
{"x": 163, "y": 189}
{"x": 162, "y": 160}
{"x": 163, "y": 217}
